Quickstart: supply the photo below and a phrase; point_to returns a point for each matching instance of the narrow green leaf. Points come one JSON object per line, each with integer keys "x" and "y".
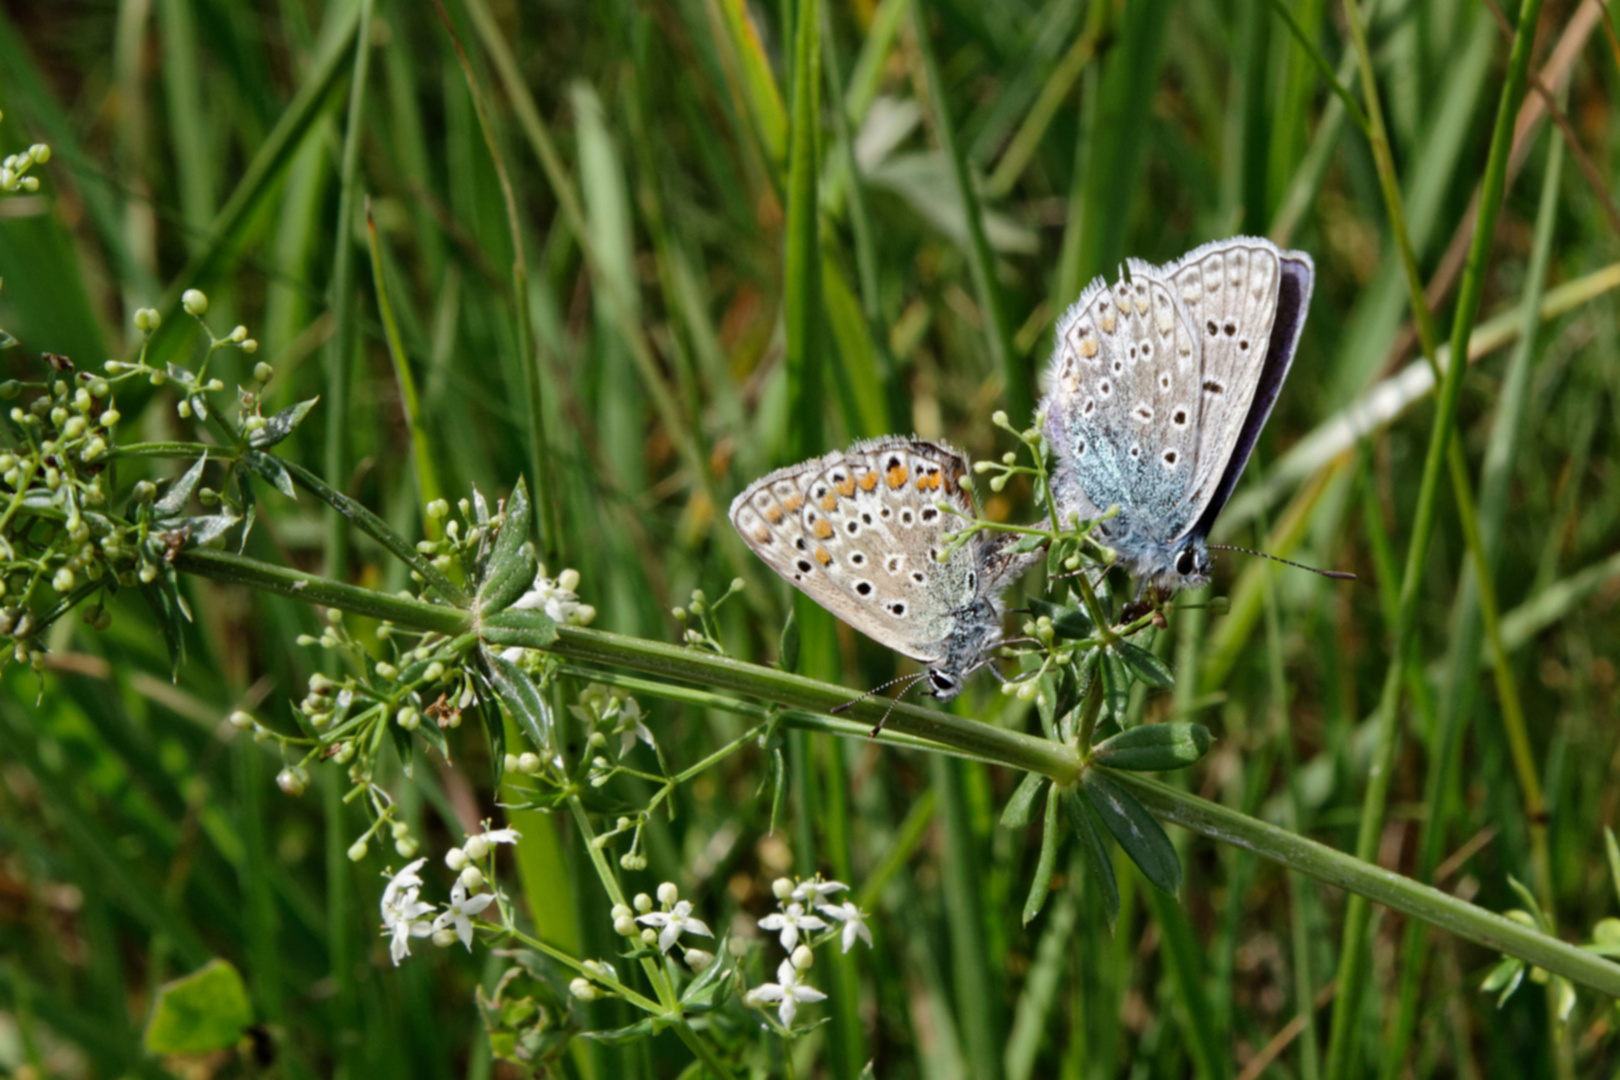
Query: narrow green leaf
{"x": 1137, "y": 831}
{"x": 269, "y": 468}
{"x": 161, "y": 597}
{"x": 528, "y": 629}
{"x": 1614, "y": 857}
{"x": 174, "y": 500}
{"x": 787, "y": 650}
{"x": 1022, "y": 804}
{"x": 624, "y": 1036}
{"x": 1149, "y": 747}
{"x": 802, "y": 314}
{"x": 281, "y": 425}
{"x": 1041, "y": 883}
{"x": 1116, "y": 685}
{"x": 512, "y": 563}
{"x": 1084, "y": 821}
{"x": 1144, "y": 665}
{"x": 1505, "y": 976}
{"x": 522, "y": 698}
{"x": 205, "y": 1011}
{"x": 713, "y": 985}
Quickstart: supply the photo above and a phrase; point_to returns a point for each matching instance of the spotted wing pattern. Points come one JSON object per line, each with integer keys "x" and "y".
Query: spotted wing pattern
{"x": 859, "y": 533}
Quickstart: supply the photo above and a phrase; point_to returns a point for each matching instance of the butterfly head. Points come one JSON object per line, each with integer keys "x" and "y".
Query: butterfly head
{"x": 1187, "y": 567}
{"x": 968, "y": 648}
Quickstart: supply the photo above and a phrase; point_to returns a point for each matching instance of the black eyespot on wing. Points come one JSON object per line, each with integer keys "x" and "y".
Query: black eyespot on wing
{"x": 1244, "y": 344}
{"x": 799, "y": 543}
{"x": 1180, "y": 418}
{"x": 864, "y": 588}
{"x": 1212, "y": 328}
{"x": 1213, "y": 387}
{"x": 916, "y": 575}
{"x": 866, "y": 519}
{"x": 1170, "y": 457}
{"x": 804, "y": 566}
{"x": 852, "y": 528}
{"x": 1230, "y": 328}
{"x": 905, "y": 517}
{"x": 897, "y": 609}
{"x": 929, "y": 514}
{"x": 858, "y": 559}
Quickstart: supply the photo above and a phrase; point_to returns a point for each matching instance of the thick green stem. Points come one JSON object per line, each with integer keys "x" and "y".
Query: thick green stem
{"x": 953, "y": 733}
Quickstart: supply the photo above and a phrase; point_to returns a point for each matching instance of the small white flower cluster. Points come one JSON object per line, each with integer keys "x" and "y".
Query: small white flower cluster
{"x": 606, "y": 712}
{"x": 796, "y": 922}
{"x": 557, "y": 598}
{"x": 663, "y": 927}
{"x": 14, "y": 168}
{"x": 404, "y": 913}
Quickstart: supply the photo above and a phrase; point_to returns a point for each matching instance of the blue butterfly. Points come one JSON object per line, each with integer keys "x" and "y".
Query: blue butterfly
{"x": 1157, "y": 392}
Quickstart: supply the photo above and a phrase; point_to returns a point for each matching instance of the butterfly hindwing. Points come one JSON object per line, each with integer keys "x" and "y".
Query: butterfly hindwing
{"x": 858, "y": 532}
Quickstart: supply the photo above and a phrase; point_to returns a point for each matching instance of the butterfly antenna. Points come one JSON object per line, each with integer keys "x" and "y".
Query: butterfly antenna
{"x": 915, "y": 679}
{"x": 846, "y": 706}
{"x": 1337, "y": 575}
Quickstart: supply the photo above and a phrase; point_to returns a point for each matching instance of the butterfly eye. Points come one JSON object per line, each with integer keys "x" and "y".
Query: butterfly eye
{"x": 1185, "y": 562}
{"x": 942, "y": 683}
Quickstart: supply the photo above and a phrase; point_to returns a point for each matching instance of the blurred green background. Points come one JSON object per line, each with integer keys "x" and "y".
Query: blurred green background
{"x": 691, "y": 333}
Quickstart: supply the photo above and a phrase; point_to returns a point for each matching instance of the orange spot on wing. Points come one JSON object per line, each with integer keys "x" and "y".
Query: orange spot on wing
{"x": 868, "y": 481}
{"x": 821, "y": 555}
{"x": 928, "y": 483}
{"x": 823, "y": 530}
{"x": 793, "y": 502}
{"x": 762, "y": 534}
{"x": 829, "y": 502}
{"x": 847, "y": 488}
{"x": 773, "y": 514}
{"x": 897, "y": 476}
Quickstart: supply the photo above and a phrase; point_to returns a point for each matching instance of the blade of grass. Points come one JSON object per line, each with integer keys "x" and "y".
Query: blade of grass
{"x": 343, "y": 348}
{"x": 1344, "y": 1038}
{"x": 548, "y": 520}
{"x": 981, "y": 261}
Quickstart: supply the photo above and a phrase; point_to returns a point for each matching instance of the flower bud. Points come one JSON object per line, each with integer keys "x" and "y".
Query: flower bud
{"x": 649, "y": 936}
{"x": 803, "y": 957}
{"x": 529, "y": 763}
{"x": 624, "y": 926}
{"x": 239, "y": 334}
{"x": 582, "y": 989}
{"x": 406, "y": 846}
{"x": 697, "y": 959}
{"x": 477, "y": 848}
{"x": 293, "y": 780}
{"x": 357, "y": 851}
{"x": 668, "y": 894}
{"x": 782, "y": 888}
{"x": 444, "y": 937}
{"x": 511, "y": 764}
{"x": 643, "y": 903}
{"x": 621, "y": 911}
{"x": 568, "y": 579}
{"x": 471, "y": 878}
{"x": 195, "y": 303}
{"x": 241, "y": 721}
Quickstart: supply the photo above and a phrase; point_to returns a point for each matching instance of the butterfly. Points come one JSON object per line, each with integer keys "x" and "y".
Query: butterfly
{"x": 861, "y": 532}
{"x": 1158, "y": 389}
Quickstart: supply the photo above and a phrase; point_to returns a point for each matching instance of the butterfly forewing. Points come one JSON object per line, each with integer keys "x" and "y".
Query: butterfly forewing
{"x": 858, "y": 532}
{"x": 1124, "y": 398}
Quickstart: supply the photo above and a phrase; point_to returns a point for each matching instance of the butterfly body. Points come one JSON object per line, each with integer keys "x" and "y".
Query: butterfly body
{"x": 1158, "y": 389}
{"x": 861, "y": 532}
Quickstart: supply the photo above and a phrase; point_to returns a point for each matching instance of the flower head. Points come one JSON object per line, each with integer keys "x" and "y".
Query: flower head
{"x": 402, "y": 911}
{"x": 673, "y": 923}
{"x": 815, "y": 890}
{"x": 556, "y": 597}
{"x": 788, "y": 990}
{"x": 628, "y": 726}
{"x": 791, "y": 922}
{"x": 854, "y": 921}
{"x": 460, "y": 910}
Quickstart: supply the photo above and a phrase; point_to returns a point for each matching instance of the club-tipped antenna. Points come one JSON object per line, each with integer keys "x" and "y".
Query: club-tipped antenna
{"x": 1336, "y": 575}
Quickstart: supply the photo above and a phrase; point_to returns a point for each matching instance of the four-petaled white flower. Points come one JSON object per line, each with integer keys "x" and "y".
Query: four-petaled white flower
{"x": 854, "y": 921}
{"x": 402, "y": 911}
{"x": 629, "y": 727}
{"x": 462, "y": 908}
{"x": 499, "y": 836}
{"x": 672, "y": 924}
{"x": 790, "y": 923}
{"x": 788, "y": 990}
{"x": 815, "y": 891}
{"x": 560, "y": 604}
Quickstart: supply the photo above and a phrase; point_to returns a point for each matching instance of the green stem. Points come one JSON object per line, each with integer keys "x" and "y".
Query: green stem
{"x": 1015, "y": 749}
{"x": 1372, "y": 883}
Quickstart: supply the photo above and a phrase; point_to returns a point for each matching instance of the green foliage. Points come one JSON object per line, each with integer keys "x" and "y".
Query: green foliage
{"x": 718, "y": 233}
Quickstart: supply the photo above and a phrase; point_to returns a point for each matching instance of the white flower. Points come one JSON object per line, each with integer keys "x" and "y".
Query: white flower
{"x": 672, "y": 924}
{"x": 560, "y": 604}
{"x": 402, "y": 911}
{"x": 815, "y": 891}
{"x": 477, "y": 845}
{"x": 790, "y": 922}
{"x": 628, "y": 727}
{"x": 854, "y": 921}
{"x": 788, "y": 990}
{"x": 462, "y": 908}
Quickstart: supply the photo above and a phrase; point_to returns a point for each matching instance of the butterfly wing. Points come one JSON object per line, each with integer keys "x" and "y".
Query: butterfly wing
{"x": 1246, "y": 301}
{"x": 1122, "y": 404}
{"x": 859, "y": 533}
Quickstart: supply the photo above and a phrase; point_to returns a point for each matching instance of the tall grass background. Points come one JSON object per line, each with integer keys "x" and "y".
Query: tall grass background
{"x": 622, "y": 263}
